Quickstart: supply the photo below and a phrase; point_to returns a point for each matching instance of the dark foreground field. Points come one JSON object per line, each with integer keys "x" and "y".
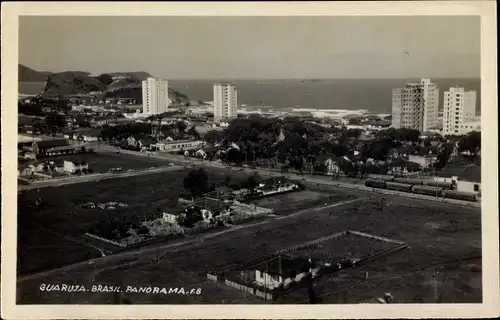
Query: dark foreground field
{"x": 64, "y": 215}
{"x": 442, "y": 264}
{"x": 52, "y": 236}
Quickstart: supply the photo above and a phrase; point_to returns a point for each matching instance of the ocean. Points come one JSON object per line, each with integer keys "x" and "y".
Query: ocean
{"x": 371, "y": 95}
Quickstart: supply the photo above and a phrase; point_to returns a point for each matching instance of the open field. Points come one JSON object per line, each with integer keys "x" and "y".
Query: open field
{"x": 103, "y": 162}
{"x": 64, "y": 212}
{"x": 345, "y": 246}
{"x": 289, "y": 199}
{"x": 437, "y": 234}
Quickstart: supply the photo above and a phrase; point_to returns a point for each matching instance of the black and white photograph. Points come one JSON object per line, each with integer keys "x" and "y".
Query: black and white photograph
{"x": 221, "y": 159}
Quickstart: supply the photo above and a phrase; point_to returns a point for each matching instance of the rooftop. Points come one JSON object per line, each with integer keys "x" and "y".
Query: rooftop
{"x": 284, "y": 266}
{"x": 48, "y": 144}
{"x": 209, "y": 204}
{"x": 469, "y": 172}
{"x": 179, "y": 141}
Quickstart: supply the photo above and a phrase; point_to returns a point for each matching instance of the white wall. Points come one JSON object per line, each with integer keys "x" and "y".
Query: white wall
{"x": 467, "y": 186}
{"x": 431, "y": 104}
{"x": 70, "y": 167}
{"x": 170, "y": 218}
{"x": 266, "y": 280}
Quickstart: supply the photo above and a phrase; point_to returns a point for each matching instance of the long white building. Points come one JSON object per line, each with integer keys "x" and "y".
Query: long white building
{"x": 225, "y": 102}
{"x": 416, "y": 106}
{"x": 459, "y": 112}
{"x": 154, "y": 96}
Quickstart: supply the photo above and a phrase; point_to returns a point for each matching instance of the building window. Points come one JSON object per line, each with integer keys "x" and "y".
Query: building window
{"x": 476, "y": 188}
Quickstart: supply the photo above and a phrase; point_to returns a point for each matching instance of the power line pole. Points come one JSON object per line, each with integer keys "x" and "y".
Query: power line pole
{"x": 435, "y": 287}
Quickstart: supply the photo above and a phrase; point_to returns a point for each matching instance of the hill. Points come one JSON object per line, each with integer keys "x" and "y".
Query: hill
{"x": 81, "y": 83}
{"x": 71, "y": 83}
{"x": 26, "y": 74}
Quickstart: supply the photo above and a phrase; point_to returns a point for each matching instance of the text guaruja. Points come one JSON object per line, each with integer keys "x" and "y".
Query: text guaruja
{"x": 126, "y": 289}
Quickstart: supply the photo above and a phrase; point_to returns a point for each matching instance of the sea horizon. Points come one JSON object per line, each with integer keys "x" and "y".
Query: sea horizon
{"x": 369, "y": 96}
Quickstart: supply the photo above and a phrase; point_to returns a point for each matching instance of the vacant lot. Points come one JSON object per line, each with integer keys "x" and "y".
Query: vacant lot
{"x": 289, "y": 199}
{"x": 443, "y": 240}
{"x": 63, "y": 213}
{"x": 348, "y": 245}
{"x": 298, "y": 200}
{"x": 103, "y": 162}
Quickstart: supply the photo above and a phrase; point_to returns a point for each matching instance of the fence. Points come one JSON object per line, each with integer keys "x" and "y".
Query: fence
{"x": 212, "y": 277}
{"x": 313, "y": 242}
{"x": 252, "y": 291}
{"x": 241, "y": 287}
{"x": 372, "y": 236}
{"x": 122, "y": 245}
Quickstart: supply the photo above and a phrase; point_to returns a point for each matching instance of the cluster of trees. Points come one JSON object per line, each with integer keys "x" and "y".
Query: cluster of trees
{"x": 117, "y": 228}
{"x": 471, "y": 143}
{"x": 36, "y": 105}
{"x": 251, "y": 182}
{"x": 196, "y": 182}
{"x": 123, "y": 131}
{"x": 191, "y": 216}
{"x": 298, "y": 145}
{"x": 29, "y": 109}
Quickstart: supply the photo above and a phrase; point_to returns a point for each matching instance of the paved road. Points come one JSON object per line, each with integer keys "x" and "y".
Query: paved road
{"x": 95, "y": 177}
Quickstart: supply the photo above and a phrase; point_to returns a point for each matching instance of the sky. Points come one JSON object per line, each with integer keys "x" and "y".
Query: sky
{"x": 255, "y": 47}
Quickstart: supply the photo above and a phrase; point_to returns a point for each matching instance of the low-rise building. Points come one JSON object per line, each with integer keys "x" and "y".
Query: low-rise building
{"x": 426, "y": 161}
{"x": 52, "y": 147}
{"x": 178, "y": 145}
{"x": 469, "y": 126}
{"x": 465, "y": 178}
{"x": 88, "y": 136}
{"x": 141, "y": 142}
{"x": 280, "y": 271}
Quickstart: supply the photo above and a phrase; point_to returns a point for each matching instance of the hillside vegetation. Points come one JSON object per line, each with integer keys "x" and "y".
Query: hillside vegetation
{"x": 80, "y": 83}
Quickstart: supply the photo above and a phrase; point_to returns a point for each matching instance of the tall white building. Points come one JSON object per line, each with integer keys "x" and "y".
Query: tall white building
{"x": 154, "y": 96}
{"x": 416, "y": 106}
{"x": 459, "y": 112}
{"x": 225, "y": 102}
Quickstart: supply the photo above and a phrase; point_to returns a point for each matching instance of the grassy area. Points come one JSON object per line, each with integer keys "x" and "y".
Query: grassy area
{"x": 299, "y": 200}
{"x": 103, "y": 162}
{"x": 64, "y": 212}
{"x": 437, "y": 234}
{"x": 349, "y": 245}
{"x": 38, "y": 247}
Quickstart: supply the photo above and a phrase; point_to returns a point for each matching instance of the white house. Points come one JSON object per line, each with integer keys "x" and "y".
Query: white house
{"x": 466, "y": 179}
{"x": 72, "y": 167}
{"x": 281, "y": 271}
{"x": 90, "y": 138}
{"x": 425, "y": 161}
{"x": 170, "y": 218}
